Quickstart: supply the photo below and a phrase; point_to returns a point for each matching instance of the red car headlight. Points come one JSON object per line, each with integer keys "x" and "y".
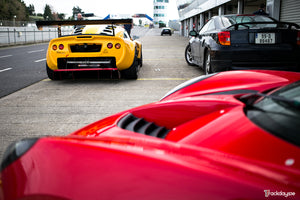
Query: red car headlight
{"x": 16, "y": 150}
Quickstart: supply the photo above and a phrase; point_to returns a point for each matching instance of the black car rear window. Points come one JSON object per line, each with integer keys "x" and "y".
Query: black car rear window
{"x": 236, "y": 19}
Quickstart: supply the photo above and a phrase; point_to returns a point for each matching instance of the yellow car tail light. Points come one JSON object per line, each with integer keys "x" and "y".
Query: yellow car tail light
{"x": 110, "y": 45}
{"x": 54, "y": 47}
{"x": 118, "y": 46}
{"x": 61, "y": 46}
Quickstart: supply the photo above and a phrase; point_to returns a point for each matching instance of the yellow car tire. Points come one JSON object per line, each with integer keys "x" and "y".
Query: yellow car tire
{"x": 141, "y": 60}
{"x": 132, "y": 71}
{"x": 52, "y": 74}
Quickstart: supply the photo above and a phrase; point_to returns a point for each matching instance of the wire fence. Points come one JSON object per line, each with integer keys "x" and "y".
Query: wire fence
{"x": 15, "y": 23}
{"x": 27, "y": 35}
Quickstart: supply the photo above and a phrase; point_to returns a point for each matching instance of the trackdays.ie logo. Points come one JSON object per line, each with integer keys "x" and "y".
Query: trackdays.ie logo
{"x": 268, "y": 193}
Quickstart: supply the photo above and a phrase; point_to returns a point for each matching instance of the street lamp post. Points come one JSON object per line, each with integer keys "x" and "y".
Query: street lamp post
{"x": 14, "y": 20}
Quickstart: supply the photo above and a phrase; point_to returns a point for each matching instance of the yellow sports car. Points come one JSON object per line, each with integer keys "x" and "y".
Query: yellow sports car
{"x": 94, "y": 45}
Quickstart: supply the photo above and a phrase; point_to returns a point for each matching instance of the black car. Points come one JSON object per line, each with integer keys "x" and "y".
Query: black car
{"x": 230, "y": 42}
{"x": 167, "y": 31}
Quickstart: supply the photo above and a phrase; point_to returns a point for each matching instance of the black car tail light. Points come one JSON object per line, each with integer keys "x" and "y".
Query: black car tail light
{"x": 224, "y": 38}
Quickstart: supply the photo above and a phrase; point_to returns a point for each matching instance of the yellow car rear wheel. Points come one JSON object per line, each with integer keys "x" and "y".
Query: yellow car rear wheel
{"x": 132, "y": 71}
{"x": 52, "y": 74}
{"x": 141, "y": 60}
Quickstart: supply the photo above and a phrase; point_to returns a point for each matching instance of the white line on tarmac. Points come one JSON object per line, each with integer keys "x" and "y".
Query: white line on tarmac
{"x": 3, "y": 70}
{"x": 5, "y": 56}
{"x": 35, "y": 51}
{"x": 163, "y": 79}
{"x": 40, "y": 60}
{"x": 146, "y": 79}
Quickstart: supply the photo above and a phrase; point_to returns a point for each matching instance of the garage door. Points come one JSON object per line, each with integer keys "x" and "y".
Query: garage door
{"x": 290, "y": 11}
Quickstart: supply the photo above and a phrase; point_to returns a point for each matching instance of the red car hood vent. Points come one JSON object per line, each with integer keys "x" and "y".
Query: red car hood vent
{"x": 140, "y": 125}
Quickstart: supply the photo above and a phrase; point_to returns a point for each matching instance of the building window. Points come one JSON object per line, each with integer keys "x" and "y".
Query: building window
{"x": 159, "y": 7}
{"x": 159, "y": 15}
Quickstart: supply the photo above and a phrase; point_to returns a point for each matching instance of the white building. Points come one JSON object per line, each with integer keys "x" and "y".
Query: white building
{"x": 194, "y": 13}
{"x": 160, "y": 11}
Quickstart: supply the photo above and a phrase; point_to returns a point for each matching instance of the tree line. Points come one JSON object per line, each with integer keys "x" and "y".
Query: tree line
{"x": 17, "y": 10}
{"x": 13, "y": 9}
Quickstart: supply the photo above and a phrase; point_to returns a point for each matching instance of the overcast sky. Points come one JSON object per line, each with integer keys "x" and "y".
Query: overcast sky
{"x": 102, "y": 8}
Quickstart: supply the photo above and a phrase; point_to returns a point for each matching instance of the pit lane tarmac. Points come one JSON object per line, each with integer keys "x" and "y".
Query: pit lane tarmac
{"x": 61, "y": 107}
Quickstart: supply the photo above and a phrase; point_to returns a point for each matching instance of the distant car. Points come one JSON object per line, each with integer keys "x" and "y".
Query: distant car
{"x": 245, "y": 42}
{"x": 99, "y": 45}
{"x": 228, "y": 135}
{"x": 166, "y": 31}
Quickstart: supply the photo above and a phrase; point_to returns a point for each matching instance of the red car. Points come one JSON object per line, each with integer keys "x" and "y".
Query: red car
{"x": 230, "y": 135}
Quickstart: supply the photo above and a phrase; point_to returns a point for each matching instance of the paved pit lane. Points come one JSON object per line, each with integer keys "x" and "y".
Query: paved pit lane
{"x": 61, "y": 107}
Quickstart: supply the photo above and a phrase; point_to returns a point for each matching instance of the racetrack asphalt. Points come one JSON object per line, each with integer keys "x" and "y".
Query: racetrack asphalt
{"x": 61, "y": 107}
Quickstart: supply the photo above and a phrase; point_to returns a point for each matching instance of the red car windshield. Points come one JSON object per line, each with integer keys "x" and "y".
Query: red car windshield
{"x": 279, "y": 113}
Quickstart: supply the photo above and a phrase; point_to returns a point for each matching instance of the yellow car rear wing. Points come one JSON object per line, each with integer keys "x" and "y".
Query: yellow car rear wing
{"x": 113, "y": 22}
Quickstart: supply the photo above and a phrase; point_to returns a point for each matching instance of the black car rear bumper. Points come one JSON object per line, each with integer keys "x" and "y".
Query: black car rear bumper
{"x": 277, "y": 57}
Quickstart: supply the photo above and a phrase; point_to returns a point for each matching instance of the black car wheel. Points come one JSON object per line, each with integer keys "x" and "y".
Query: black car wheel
{"x": 188, "y": 55}
{"x": 207, "y": 64}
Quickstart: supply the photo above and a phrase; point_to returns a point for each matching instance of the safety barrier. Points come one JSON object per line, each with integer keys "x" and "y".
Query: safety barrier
{"x": 27, "y": 35}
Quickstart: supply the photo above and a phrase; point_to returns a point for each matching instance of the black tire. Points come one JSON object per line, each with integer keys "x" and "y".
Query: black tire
{"x": 52, "y": 74}
{"x": 141, "y": 59}
{"x": 132, "y": 71}
{"x": 207, "y": 63}
{"x": 188, "y": 56}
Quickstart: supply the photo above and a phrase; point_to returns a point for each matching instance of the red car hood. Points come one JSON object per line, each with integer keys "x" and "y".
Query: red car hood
{"x": 212, "y": 121}
{"x": 208, "y": 114}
